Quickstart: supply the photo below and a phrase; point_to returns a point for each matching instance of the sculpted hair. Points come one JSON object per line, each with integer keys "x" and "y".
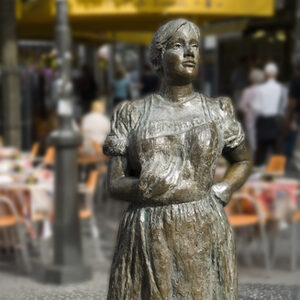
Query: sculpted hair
{"x": 161, "y": 38}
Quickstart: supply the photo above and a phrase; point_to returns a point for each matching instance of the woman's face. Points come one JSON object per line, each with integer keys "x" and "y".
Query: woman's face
{"x": 181, "y": 58}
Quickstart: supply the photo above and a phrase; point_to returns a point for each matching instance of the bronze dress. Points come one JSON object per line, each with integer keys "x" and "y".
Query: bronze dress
{"x": 175, "y": 242}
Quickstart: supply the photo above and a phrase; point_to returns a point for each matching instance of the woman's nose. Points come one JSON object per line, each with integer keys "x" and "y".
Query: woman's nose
{"x": 188, "y": 51}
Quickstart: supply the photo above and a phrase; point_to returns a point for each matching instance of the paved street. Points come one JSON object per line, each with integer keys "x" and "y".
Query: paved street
{"x": 13, "y": 288}
{"x": 254, "y": 281}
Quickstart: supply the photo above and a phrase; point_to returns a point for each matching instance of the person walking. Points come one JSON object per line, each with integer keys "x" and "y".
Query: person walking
{"x": 95, "y": 126}
{"x": 269, "y": 106}
{"x": 120, "y": 86}
{"x": 249, "y": 94}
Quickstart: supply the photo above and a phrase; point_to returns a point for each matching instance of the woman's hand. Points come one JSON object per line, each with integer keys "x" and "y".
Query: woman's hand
{"x": 222, "y": 192}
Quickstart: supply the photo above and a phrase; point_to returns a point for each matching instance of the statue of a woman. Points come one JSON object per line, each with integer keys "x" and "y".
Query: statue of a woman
{"x": 174, "y": 240}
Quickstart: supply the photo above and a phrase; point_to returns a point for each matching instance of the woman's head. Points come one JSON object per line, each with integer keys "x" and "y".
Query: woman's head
{"x": 98, "y": 105}
{"x": 179, "y": 33}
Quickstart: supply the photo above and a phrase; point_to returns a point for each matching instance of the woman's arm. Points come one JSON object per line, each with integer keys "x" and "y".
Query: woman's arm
{"x": 120, "y": 185}
{"x": 240, "y": 168}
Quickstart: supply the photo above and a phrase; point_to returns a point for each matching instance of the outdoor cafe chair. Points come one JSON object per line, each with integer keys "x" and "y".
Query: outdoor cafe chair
{"x": 238, "y": 218}
{"x": 96, "y": 159}
{"x": 85, "y": 213}
{"x": 13, "y": 231}
{"x": 49, "y": 157}
{"x": 276, "y": 165}
{"x": 35, "y": 226}
{"x": 82, "y": 160}
{"x": 35, "y": 150}
{"x": 99, "y": 152}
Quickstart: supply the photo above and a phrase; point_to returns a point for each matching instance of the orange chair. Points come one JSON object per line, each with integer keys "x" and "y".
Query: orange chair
{"x": 98, "y": 159}
{"x": 13, "y": 230}
{"x": 49, "y": 156}
{"x": 84, "y": 160}
{"x": 95, "y": 158}
{"x": 276, "y": 165}
{"x": 35, "y": 150}
{"x": 238, "y": 218}
{"x": 97, "y": 148}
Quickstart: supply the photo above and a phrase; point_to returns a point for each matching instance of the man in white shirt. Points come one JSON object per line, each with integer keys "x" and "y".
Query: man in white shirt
{"x": 95, "y": 127}
{"x": 269, "y": 106}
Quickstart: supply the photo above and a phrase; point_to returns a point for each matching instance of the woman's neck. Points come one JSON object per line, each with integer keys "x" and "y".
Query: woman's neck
{"x": 175, "y": 93}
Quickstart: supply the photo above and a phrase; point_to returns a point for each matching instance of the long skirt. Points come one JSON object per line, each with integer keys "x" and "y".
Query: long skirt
{"x": 180, "y": 251}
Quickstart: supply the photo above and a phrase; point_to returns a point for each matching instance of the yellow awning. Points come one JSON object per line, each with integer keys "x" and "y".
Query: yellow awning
{"x": 37, "y": 9}
{"x": 97, "y": 17}
{"x": 190, "y": 7}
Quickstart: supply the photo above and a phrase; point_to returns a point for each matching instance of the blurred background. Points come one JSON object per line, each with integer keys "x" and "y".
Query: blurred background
{"x": 65, "y": 65}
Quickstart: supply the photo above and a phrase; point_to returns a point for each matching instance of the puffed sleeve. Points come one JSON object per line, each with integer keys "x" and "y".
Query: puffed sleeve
{"x": 122, "y": 122}
{"x": 233, "y": 133}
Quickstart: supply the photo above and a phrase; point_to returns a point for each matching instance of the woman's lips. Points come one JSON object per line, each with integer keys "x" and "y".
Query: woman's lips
{"x": 189, "y": 64}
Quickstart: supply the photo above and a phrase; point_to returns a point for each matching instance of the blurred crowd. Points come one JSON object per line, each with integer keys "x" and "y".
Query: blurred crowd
{"x": 93, "y": 100}
{"x": 268, "y": 109}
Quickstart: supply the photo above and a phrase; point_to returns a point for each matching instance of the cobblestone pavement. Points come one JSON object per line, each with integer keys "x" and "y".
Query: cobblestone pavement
{"x": 254, "y": 284}
{"x": 22, "y": 288}
{"x": 268, "y": 292}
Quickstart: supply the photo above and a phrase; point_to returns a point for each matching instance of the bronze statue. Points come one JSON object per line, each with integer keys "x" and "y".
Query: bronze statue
{"x": 174, "y": 240}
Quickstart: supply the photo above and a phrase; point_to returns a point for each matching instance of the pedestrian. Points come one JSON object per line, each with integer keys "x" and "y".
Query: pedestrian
{"x": 269, "y": 106}
{"x": 133, "y": 76}
{"x": 120, "y": 86}
{"x": 249, "y": 94}
{"x": 95, "y": 126}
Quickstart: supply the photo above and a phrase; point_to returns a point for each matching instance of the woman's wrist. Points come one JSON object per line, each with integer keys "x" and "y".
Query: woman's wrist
{"x": 222, "y": 191}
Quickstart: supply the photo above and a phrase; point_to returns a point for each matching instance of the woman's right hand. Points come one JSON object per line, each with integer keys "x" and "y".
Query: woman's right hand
{"x": 151, "y": 185}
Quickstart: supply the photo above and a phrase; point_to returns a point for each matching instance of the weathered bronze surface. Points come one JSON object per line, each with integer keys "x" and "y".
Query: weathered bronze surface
{"x": 174, "y": 240}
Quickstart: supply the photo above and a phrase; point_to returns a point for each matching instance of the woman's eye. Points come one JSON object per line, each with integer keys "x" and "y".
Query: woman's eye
{"x": 177, "y": 46}
{"x": 195, "y": 46}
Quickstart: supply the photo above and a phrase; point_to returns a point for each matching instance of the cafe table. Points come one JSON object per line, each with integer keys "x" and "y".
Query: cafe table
{"x": 32, "y": 194}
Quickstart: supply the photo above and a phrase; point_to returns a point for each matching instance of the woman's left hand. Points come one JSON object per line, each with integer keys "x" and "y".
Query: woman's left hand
{"x": 222, "y": 192}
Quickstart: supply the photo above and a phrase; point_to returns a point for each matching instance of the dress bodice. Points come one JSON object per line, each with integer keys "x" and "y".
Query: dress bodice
{"x": 173, "y": 147}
